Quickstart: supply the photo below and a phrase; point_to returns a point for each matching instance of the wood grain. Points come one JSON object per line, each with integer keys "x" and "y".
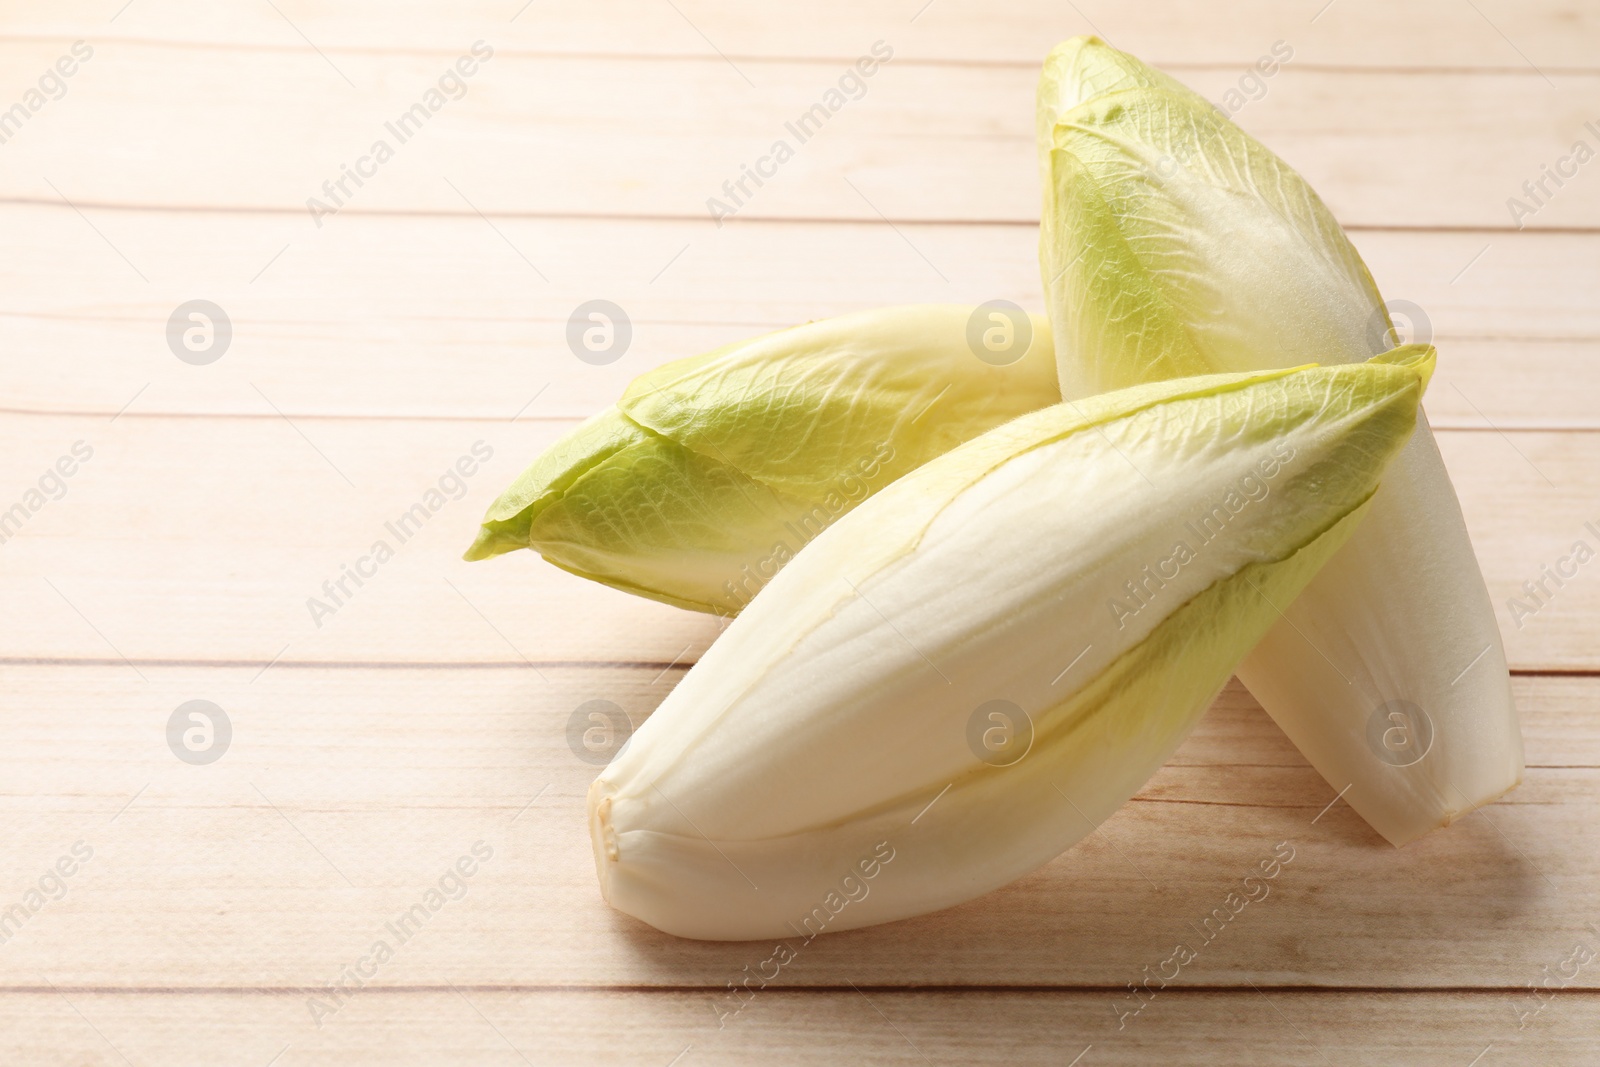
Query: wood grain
{"x": 138, "y": 560}
{"x": 560, "y": 136}
{"x": 1287, "y": 1028}
{"x": 1499, "y": 36}
{"x": 431, "y": 317}
{"x": 267, "y": 869}
{"x": 431, "y": 712}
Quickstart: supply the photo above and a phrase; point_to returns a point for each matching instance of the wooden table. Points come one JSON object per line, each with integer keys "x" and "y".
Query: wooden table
{"x": 196, "y": 912}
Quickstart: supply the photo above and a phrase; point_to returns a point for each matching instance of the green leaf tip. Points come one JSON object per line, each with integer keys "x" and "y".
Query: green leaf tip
{"x": 710, "y": 473}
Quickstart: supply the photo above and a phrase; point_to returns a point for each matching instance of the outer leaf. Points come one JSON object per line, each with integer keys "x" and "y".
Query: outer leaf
{"x": 710, "y": 473}
{"x": 1173, "y": 243}
{"x": 816, "y": 770}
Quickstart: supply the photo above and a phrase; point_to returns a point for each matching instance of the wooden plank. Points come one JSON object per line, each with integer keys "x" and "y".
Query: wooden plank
{"x": 433, "y": 711}
{"x": 1367, "y": 33}
{"x": 383, "y": 314}
{"x": 651, "y": 138}
{"x": 1528, "y": 506}
{"x": 346, "y": 794}
{"x": 440, "y": 317}
{"x": 141, "y": 556}
{"x": 1523, "y": 384}
{"x": 1270, "y": 1028}
{"x": 209, "y": 538}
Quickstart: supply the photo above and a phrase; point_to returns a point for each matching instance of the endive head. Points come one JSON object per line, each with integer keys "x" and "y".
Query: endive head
{"x": 711, "y": 472}
{"x": 1174, "y": 243}
{"x": 1084, "y": 577}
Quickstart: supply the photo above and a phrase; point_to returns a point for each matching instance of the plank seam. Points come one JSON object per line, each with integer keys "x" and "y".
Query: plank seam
{"x": 474, "y": 665}
{"x": 1443, "y": 425}
{"x": 673, "y": 990}
{"x": 820, "y": 59}
{"x": 659, "y": 666}
{"x": 743, "y": 220}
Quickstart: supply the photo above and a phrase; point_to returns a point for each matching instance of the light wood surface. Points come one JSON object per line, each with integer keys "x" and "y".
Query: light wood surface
{"x": 373, "y": 747}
